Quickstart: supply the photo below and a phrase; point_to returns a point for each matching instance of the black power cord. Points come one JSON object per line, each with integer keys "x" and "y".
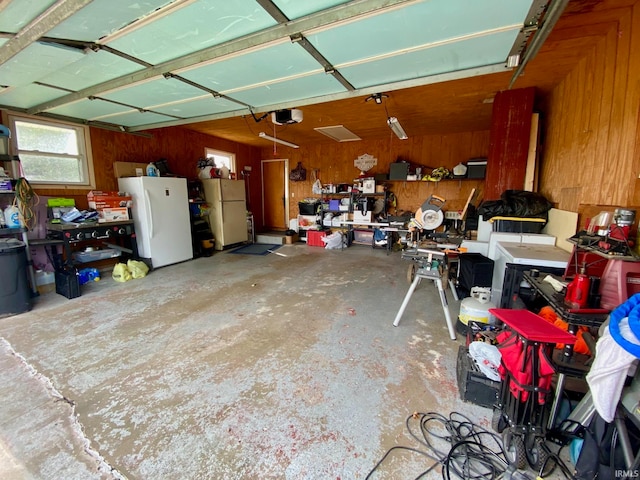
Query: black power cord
{"x": 475, "y": 453}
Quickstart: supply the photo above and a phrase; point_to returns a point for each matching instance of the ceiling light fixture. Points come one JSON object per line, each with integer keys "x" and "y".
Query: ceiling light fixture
{"x": 277, "y": 140}
{"x": 395, "y": 126}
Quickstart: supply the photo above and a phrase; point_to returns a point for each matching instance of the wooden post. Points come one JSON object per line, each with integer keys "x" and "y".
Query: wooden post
{"x": 509, "y": 141}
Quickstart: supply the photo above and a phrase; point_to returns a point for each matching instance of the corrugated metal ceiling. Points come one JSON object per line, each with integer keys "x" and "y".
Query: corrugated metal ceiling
{"x": 134, "y": 65}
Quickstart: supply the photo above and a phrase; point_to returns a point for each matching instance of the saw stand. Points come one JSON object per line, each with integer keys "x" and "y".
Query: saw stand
{"x": 429, "y": 266}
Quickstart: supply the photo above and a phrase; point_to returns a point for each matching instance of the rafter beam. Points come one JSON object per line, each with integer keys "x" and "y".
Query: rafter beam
{"x": 50, "y": 18}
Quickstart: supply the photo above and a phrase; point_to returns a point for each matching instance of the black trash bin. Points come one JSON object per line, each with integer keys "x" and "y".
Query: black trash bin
{"x": 15, "y": 295}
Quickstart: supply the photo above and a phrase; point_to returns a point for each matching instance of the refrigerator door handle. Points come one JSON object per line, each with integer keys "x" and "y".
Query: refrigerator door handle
{"x": 147, "y": 206}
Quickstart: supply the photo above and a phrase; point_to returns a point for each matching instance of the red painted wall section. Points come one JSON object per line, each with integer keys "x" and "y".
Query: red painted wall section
{"x": 509, "y": 141}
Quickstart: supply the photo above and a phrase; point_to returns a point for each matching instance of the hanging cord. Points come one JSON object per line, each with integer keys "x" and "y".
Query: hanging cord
{"x": 26, "y": 200}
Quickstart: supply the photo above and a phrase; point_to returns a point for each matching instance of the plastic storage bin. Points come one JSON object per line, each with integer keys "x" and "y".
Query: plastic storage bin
{"x": 15, "y": 296}
{"x": 308, "y": 208}
{"x": 94, "y": 255}
{"x": 363, "y": 236}
{"x": 518, "y": 224}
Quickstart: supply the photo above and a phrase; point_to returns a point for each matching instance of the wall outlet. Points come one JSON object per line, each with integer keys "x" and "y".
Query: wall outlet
{"x": 452, "y": 215}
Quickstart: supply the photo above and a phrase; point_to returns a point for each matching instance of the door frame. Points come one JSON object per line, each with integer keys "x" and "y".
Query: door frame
{"x": 285, "y": 182}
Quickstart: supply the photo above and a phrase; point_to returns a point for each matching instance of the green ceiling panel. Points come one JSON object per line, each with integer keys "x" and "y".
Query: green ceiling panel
{"x": 447, "y": 58}
{"x": 28, "y": 95}
{"x": 257, "y": 63}
{"x": 155, "y": 92}
{"x": 197, "y": 26}
{"x": 135, "y": 118}
{"x": 89, "y": 109}
{"x": 418, "y": 24}
{"x": 295, "y": 8}
{"x": 19, "y": 13}
{"x": 199, "y": 107}
{"x": 290, "y": 91}
{"x": 103, "y": 17}
{"x": 35, "y": 63}
{"x": 264, "y": 65}
{"x": 83, "y": 73}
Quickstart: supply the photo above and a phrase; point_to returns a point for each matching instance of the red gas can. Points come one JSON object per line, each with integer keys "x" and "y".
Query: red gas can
{"x": 577, "y": 295}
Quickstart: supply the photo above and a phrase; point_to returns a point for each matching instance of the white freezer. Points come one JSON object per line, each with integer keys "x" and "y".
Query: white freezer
{"x": 160, "y": 213}
{"x": 536, "y": 255}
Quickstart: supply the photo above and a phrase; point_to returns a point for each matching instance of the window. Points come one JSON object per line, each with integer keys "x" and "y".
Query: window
{"x": 53, "y": 154}
{"x": 222, "y": 159}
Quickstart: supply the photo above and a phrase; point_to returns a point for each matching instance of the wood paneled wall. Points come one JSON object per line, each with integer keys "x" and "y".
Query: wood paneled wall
{"x": 591, "y": 140}
{"x": 180, "y": 147}
{"x": 333, "y": 163}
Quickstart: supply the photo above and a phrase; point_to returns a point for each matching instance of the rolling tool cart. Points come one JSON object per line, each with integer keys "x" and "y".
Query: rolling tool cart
{"x": 526, "y": 346}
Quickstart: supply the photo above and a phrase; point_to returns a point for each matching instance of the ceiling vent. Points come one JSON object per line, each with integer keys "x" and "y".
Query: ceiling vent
{"x": 282, "y": 117}
{"x": 338, "y": 133}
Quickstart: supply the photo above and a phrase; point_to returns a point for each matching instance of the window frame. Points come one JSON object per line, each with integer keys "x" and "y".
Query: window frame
{"x": 221, "y": 153}
{"x": 83, "y": 138}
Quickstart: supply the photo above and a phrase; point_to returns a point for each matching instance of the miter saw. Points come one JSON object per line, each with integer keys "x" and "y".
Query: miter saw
{"x": 430, "y": 215}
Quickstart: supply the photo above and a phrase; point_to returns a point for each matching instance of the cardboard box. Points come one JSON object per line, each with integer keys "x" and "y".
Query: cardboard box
{"x": 291, "y": 239}
{"x": 99, "y": 200}
{"x": 5, "y": 185}
{"x": 113, "y": 215}
{"x": 358, "y": 216}
{"x": 129, "y": 169}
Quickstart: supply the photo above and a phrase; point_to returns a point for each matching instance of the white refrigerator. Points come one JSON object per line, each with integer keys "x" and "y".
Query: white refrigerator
{"x": 161, "y": 218}
{"x": 228, "y": 211}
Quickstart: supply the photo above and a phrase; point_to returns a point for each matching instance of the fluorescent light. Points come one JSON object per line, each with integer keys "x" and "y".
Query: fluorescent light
{"x": 277, "y": 140}
{"x": 394, "y": 124}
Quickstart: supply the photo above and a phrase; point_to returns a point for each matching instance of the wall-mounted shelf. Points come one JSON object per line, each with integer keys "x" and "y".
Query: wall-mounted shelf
{"x": 443, "y": 180}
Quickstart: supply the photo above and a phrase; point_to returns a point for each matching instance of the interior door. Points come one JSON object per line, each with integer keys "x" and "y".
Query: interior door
{"x": 275, "y": 195}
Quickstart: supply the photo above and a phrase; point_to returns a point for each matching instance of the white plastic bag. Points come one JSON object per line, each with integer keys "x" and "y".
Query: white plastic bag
{"x": 333, "y": 241}
{"x": 487, "y": 357}
{"x": 317, "y": 187}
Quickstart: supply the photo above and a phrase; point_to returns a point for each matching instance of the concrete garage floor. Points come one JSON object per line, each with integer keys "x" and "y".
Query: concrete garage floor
{"x": 229, "y": 367}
